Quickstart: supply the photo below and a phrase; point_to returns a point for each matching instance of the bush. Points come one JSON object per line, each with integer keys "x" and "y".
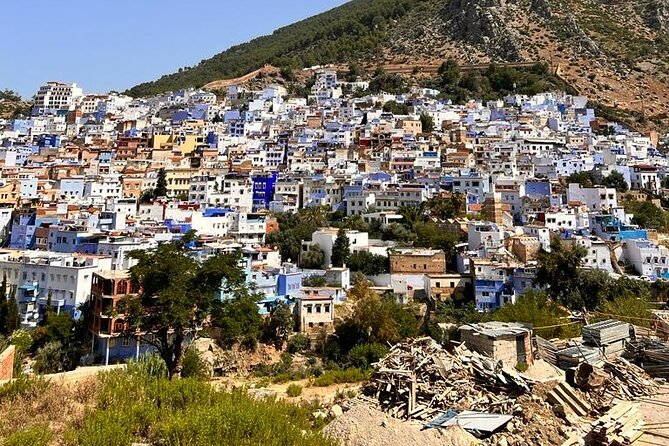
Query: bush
{"x": 364, "y": 355}
{"x": 50, "y": 358}
{"x": 330, "y": 377}
{"x": 521, "y": 366}
{"x": 194, "y": 366}
{"x": 23, "y": 387}
{"x": 150, "y": 365}
{"x": 299, "y": 343}
{"x": 130, "y": 409}
{"x": 33, "y": 436}
{"x": 294, "y": 390}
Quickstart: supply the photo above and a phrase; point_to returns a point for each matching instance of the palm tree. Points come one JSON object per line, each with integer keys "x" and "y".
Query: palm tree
{"x": 314, "y": 216}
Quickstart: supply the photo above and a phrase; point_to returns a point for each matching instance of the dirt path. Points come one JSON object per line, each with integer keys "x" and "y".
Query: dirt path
{"x": 656, "y": 416}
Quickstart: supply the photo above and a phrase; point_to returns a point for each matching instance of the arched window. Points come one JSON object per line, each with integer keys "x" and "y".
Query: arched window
{"x": 122, "y": 287}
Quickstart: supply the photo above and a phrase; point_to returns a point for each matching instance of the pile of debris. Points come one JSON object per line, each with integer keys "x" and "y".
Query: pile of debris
{"x": 421, "y": 379}
{"x": 622, "y": 425}
{"x": 652, "y": 354}
{"x": 617, "y": 379}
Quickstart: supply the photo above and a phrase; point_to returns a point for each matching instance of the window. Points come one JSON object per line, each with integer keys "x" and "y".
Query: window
{"x": 125, "y": 342}
{"x": 309, "y": 309}
{"x": 318, "y": 308}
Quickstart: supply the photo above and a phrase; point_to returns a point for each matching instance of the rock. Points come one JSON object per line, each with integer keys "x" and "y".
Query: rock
{"x": 502, "y": 442}
{"x": 337, "y": 411}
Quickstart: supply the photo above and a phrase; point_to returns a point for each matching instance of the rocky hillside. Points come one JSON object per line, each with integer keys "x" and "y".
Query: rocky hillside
{"x": 615, "y": 51}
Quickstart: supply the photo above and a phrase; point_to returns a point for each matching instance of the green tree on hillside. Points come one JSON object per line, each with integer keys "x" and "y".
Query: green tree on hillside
{"x": 616, "y": 180}
{"x": 176, "y": 295}
{"x": 161, "y": 184}
{"x": 449, "y": 72}
{"x": 313, "y": 258}
{"x": 558, "y": 272}
{"x": 427, "y": 123}
{"x": 340, "y": 249}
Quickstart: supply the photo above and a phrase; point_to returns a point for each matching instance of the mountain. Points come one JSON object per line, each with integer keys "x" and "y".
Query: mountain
{"x": 614, "y": 51}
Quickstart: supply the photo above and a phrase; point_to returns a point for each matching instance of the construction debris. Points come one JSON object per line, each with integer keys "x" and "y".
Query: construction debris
{"x": 652, "y": 355}
{"x": 622, "y": 425}
{"x": 617, "y": 379}
{"x": 421, "y": 379}
{"x": 605, "y": 333}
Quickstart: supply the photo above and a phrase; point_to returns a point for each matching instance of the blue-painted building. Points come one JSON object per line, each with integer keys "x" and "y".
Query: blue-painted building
{"x": 263, "y": 190}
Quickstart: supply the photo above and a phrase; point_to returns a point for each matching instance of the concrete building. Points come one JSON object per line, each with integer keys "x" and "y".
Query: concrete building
{"x": 508, "y": 342}
{"x": 315, "y": 312}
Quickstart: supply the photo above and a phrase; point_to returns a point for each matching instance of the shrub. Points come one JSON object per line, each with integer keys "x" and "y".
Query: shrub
{"x": 150, "y": 365}
{"x": 191, "y": 412}
{"x": 330, "y": 377}
{"x": 521, "y": 366}
{"x": 294, "y": 390}
{"x": 33, "y": 436}
{"x": 194, "y": 366}
{"x": 364, "y": 355}
{"x": 23, "y": 387}
{"x": 50, "y": 358}
{"x": 299, "y": 343}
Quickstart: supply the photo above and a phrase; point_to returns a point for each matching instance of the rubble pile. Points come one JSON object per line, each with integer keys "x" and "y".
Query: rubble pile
{"x": 622, "y": 425}
{"x": 421, "y": 379}
{"x": 616, "y": 379}
{"x": 653, "y": 355}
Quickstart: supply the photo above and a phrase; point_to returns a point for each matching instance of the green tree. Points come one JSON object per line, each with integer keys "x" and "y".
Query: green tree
{"x": 13, "y": 318}
{"x": 280, "y": 325}
{"x": 646, "y": 214}
{"x": 395, "y": 108}
{"x": 176, "y": 295}
{"x": 238, "y": 319}
{"x": 427, "y": 123}
{"x": 340, "y": 249}
{"x": 314, "y": 281}
{"x": 449, "y": 72}
{"x": 444, "y": 208}
{"x": 161, "y": 184}
{"x": 51, "y": 358}
{"x": 313, "y": 258}
{"x": 583, "y": 178}
{"x": 398, "y": 233}
{"x": 354, "y": 71}
{"x": 411, "y": 215}
{"x": 375, "y": 319}
{"x": 616, "y": 180}
{"x": 535, "y": 308}
{"x": 559, "y": 272}
{"x": 368, "y": 263}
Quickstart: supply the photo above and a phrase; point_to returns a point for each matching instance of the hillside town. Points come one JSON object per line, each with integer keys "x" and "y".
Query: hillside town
{"x": 323, "y": 198}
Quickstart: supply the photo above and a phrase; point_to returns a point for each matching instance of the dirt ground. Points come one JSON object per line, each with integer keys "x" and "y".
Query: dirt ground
{"x": 325, "y": 395}
{"x": 656, "y": 415}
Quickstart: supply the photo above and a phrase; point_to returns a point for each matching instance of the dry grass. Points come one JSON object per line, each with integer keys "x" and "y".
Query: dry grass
{"x": 56, "y": 407}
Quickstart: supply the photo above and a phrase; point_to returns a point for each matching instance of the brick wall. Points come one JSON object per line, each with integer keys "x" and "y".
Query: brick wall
{"x": 7, "y": 363}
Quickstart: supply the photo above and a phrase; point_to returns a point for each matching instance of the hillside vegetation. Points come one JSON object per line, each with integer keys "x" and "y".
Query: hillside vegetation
{"x": 141, "y": 406}
{"x": 612, "y": 51}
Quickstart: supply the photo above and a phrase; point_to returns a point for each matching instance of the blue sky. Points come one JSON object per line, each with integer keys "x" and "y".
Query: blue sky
{"x": 114, "y": 44}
